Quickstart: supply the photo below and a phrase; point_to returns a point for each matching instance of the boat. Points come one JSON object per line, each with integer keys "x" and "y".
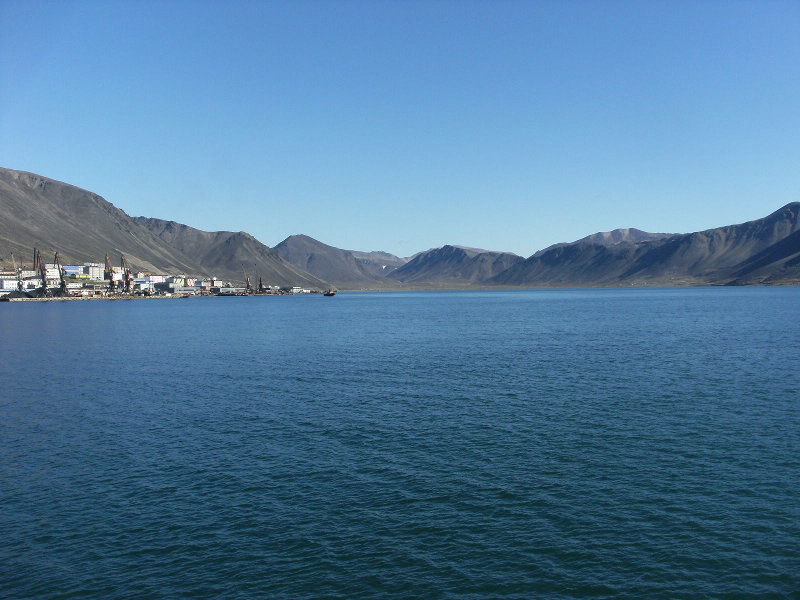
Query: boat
{"x": 330, "y": 292}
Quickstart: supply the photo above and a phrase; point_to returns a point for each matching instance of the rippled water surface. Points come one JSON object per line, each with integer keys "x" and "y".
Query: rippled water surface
{"x": 524, "y": 444}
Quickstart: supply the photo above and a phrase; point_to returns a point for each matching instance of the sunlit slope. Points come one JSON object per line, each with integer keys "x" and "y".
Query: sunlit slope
{"x": 80, "y": 225}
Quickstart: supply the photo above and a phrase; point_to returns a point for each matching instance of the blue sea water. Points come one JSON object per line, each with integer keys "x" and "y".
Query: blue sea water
{"x": 506, "y": 444}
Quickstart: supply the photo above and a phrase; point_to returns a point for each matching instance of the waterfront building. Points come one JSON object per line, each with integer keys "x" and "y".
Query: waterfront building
{"x": 72, "y": 270}
{"x": 94, "y": 271}
{"x": 52, "y": 272}
{"x": 8, "y": 283}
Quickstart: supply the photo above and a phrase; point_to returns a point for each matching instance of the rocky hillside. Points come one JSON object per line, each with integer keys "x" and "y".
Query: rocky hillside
{"x": 611, "y": 238}
{"x": 760, "y": 251}
{"x": 53, "y": 216}
{"x": 338, "y": 266}
{"x": 81, "y": 226}
{"x": 39, "y": 212}
{"x": 377, "y": 263}
{"x": 453, "y": 266}
{"x": 231, "y": 253}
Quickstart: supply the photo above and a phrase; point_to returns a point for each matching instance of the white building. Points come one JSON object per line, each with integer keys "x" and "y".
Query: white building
{"x": 8, "y": 283}
{"x": 52, "y": 272}
{"x": 95, "y": 271}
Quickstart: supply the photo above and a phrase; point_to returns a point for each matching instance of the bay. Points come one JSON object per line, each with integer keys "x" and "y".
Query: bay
{"x": 621, "y": 443}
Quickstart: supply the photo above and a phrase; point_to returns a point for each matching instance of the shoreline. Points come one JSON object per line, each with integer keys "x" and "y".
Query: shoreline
{"x": 407, "y": 289}
{"x": 81, "y": 298}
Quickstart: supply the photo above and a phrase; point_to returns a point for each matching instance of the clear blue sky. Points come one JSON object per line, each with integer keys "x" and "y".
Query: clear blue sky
{"x": 406, "y": 125}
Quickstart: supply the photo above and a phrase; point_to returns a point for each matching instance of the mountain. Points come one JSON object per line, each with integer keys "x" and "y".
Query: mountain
{"x": 760, "y": 251}
{"x": 779, "y": 264}
{"x": 36, "y": 211}
{"x": 340, "y": 267}
{"x": 82, "y": 226}
{"x": 450, "y": 266}
{"x": 610, "y": 238}
{"x": 228, "y": 252}
{"x": 454, "y": 266}
{"x": 378, "y": 264}
{"x": 39, "y": 212}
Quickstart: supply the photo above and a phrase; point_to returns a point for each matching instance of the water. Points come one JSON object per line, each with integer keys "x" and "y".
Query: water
{"x": 523, "y": 444}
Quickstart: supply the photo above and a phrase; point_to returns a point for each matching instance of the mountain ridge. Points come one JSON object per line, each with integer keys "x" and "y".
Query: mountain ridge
{"x": 610, "y": 238}
{"x": 452, "y": 265}
{"x": 230, "y": 252}
{"x": 82, "y": 226}
{"x": 704, "y": 257}
{"x": 51, "y": 215}
{"x": 338, "y": 266}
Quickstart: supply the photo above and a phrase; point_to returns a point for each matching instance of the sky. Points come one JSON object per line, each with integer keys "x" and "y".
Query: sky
{"x": 402, "y": 126}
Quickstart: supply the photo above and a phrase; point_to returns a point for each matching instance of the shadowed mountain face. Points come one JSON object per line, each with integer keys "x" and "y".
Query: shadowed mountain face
{"x": 83, "y": 227}
{"x": 720, "y": 255}
{"x": 80, "y": 225}
{"x": 338, "y": 266}
{"x": 227, "y": 252}
{"x": 779, "y": 263}
{"x": 454, "y": 265}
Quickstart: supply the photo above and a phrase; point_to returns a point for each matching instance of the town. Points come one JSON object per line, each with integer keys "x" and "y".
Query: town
{"x": 95, "y": 280}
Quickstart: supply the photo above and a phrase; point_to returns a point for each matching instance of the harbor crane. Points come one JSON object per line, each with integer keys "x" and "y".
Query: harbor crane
{"x": 108, "y": 275}
{"x": 18, "y": 271}
{"x": 247, "y": 285}
{"x": 41, "y": 268}
{"x": 126, "y": 275}
{"x": 62, "y": 279}
{"x": 261, "y": 288}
